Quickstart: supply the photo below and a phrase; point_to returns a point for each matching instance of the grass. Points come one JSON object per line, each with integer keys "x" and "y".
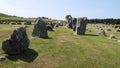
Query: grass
{"x": 64, "y": 49}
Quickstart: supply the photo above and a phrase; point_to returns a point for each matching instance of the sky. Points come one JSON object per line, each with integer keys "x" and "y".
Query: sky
{"x": 58, "y": 9}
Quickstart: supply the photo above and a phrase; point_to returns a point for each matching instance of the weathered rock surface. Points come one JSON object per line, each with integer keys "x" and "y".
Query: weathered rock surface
{"x": 40, "y": 29}
{"x": 81, "y": 26}
{"x": 17, "y": 43}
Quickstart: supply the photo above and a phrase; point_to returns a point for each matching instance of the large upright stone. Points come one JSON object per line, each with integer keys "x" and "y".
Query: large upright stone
{"x": 74, "y": 21}
{"x": 81, "y": 26}
{"x": 17, "y": 43}
{"x": 69, "y": 21}
{"x": 40, "y": 29}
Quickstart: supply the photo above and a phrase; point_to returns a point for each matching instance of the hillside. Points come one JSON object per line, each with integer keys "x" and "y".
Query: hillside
{"x": 10, "y": 18}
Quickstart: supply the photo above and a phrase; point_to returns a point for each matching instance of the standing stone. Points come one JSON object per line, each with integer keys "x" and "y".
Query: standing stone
{"x": 81, "y": 26}
{"x": 49, "y": 27}
{"x": 69, "y": 21}
{"x": 40, "y": 29}
{"x": 17, "y": 43}
{"x": 74, "y": 21}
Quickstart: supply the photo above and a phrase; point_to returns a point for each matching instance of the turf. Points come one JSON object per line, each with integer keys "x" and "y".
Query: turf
{"x": 64, "y": 49}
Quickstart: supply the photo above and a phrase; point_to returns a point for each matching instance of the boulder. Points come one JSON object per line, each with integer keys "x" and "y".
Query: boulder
{"x": 17, "y": 43}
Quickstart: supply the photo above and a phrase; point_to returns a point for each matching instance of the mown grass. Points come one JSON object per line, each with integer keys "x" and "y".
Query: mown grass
{"x": 64, "y": 49}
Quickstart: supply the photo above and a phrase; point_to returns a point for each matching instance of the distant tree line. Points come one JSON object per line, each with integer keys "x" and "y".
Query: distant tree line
{"x": 104, "y": 21}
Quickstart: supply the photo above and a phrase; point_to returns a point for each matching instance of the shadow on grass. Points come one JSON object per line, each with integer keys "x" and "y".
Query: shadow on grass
{"x": 91, "y": 35}
{"x": 47, "y": 38}
{"x": 29, "y": 56}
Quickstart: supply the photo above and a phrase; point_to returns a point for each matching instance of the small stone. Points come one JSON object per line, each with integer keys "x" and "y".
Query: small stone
{"x": 102, "y": 33}
{"x": 108, "y": 29}
{"x": 113, "y": 37}
{"x": 118, "y": 40}
{"x": 2, "y": 58}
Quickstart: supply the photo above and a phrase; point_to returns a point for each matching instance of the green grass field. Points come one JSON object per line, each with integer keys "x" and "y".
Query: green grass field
{"x": 64, "y": 49}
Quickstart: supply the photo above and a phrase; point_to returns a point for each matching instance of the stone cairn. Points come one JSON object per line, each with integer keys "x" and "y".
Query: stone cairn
{"x": 40, "y": 29}
{"x": 81, "y": 26}
{"x": 17, "y": 43}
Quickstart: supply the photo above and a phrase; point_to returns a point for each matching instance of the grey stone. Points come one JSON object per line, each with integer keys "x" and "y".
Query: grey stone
{"x": 81, "y": 26}
{"x": 108, "y": 29}
{"x": 17, "y": 43}
{"x": 19, "y": 23}
{"x": 118, "y": 30}
{"x": 102, "y": 33}
{"x": 13, "y": 23}
{"x": 49, "y": 27}
{"x": 69, "y": 21}
{"x": 113, "y": 37}
{"x": 74, "y": 21}
{"x": 40, "y": 29}
{"x": 57, "y": 24}
{"x": 28, "y": 23}
{"x": 2, "y": 58}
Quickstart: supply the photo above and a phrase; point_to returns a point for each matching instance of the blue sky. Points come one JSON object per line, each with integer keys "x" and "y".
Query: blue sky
{"x": 58, "y": 9}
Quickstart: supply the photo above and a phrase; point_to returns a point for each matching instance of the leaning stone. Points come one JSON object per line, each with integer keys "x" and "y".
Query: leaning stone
{"x": 17, "y": 43}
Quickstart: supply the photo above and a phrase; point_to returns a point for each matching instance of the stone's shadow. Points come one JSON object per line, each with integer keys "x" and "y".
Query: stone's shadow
{"x": 28, "y": 56}
{"x": 48, "y": 38}
{"x": 51, "y": 30}
{"x": 91, "y": 35}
